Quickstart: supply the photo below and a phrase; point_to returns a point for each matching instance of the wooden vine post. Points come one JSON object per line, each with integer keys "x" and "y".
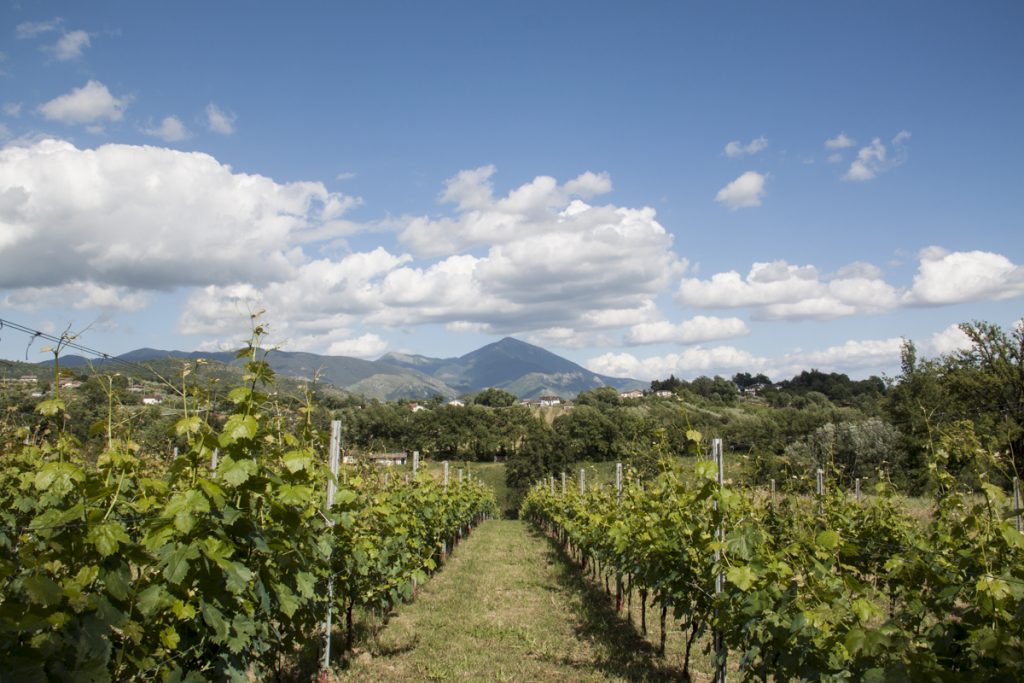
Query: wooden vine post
{"x": 444, "y": 542}
{"x": 719, "y": 639}
{"x": 821, "y": 491}
{"x": 332, "y": 485}
{"x": 618, "y": 501}
{"x": 583, "y": 481}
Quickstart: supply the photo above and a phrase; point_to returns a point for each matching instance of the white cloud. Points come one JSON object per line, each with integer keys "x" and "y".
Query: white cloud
{"x": 856, "y": 357}
{"x": 146, "y": 218}
{"x": 736, "y": 149}
{"x": 744, "y": 192}
{"x": 950, "y": 278}
{"x": 171, "y": 129}
{"x": 566, "y": 265}
{"x": 868, "y": 163}
{"x": 841, "y": 141}
{"x": 868, "y": 354}
{"x": 87, "y": 104}
{"x": 697, "y": 329}
{"x": 367, "y": 346}
{"x": 691, "y": 362}
{"x": 949, "y": 340}
{"x": 80, "y": 295}
{"x": 346, "y": 175}
{"x": 874, "y": 158}
{"x": 220, "y": 121}
{"x": 12, "y": 109}
{"x": 31, "y": 29}
{"x": 70, "y": 45}
{"x": 778, "y": 290}
{"x": 5, "y": 132}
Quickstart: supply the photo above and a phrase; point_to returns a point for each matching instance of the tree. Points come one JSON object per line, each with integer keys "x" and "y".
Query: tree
{"x": 494, "y": 398}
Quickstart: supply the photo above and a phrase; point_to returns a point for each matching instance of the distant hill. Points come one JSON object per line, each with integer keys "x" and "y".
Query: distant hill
{"x": 522, "y": 369}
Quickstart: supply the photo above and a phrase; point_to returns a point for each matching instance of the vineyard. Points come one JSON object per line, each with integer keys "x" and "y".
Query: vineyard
{"x": 220, "y": 564}
{"x": 809, "y": 588}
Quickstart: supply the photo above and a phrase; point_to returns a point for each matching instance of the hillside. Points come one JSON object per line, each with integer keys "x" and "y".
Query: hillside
{"x": 522, "y": 369}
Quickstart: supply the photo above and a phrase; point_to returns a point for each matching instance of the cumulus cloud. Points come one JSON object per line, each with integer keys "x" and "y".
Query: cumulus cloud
{"x": 697, "y": 360}
{"x": 949, "y": 340}
{"x": 146, "y": 218}
{"x": 79, "y": 295}
{"x": 220, "y": 121}
{"x": 851, "y": 356}
{"x": 874, "y": 158}
{"x": 70, "y": 45}
{"x": 956, "y": 277}
{"x": 841, "y": 141}
{"x": 171, "y": 129}
{"x": 858, "y": 357}
{"x": 31, "y": 29}
{"x": 744, "y": 192}
{"x": 735, "y": 148}
{"x": 367, "y": 346}
{"x": 566, "y": 265}
{"x": 697, "y": 329}
{"x": 779, "y": 290}
{"x": 90, "y": 103}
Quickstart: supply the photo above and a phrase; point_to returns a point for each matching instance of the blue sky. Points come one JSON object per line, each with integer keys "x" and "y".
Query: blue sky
{"x": 645, "y": 188}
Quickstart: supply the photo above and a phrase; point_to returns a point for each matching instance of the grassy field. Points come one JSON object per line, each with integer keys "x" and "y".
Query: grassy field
{"x": 507, "y": 607}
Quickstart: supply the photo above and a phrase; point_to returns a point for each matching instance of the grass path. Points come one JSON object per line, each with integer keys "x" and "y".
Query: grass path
{"x": 507, "y": 608}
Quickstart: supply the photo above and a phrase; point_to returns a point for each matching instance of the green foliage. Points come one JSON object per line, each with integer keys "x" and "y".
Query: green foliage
{"x": 838, "y": 590}
{"x": 135, "y": 568}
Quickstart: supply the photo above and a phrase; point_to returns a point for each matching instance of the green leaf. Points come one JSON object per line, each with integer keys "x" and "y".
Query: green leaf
{"x": 741, "y": 577}
{"x": 289, "y": 494}
{"x": 855, "y": 640}
{"x": 236, "y": 472}
{"x": 305, "y": 583}
{"x": 42, "y": 590}
{"x": 1013, "y": 538}
{"x": 169, "y": 637}
{"x": 705, "y": 469}
{"x": 827, "y": 539}
{"x": 238, "y": 427}
{"x": 188, "y": 425}
{"x": 107, "y": 537}
{"x": 176, "y": 563}
{"x": 117, "y": 583}
{"x": 214, "y": 618}
{"x": 151, "y": 599}
{"x": 287, "y": 601}
{"x": 239, "y": 395}
{"x": 298, "y": 460}
{"x": 237, "y": 576}
{"x": 50, "y": 407}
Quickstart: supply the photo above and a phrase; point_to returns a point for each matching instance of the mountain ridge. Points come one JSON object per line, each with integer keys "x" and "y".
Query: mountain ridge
{"x": 523, "y": 369}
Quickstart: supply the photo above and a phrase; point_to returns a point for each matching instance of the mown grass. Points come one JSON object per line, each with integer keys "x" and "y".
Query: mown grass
{"x": 508, "y": 607}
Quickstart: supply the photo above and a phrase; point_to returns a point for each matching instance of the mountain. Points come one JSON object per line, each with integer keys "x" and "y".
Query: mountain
{"x": 370, "y": 378}
{"x": 522, "y": 369}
